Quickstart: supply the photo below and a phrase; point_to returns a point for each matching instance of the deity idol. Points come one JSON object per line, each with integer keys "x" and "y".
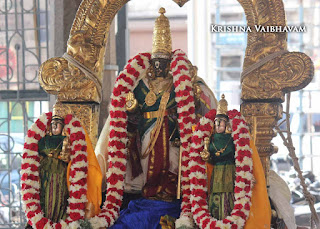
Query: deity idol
{"x": 54, "y": 150}
{"x": 59, "y": 163}
{"x": 157, "y": 129}
{"x": 237, "y": 192}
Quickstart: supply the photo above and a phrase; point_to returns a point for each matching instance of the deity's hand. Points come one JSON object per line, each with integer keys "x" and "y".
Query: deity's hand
{"x": 89, "y": 210}
{"x": 131, "y": 102}
{"x": 205, "y": 155}
{"x": 65, "y": 156}
{"x": 65, "y": 152}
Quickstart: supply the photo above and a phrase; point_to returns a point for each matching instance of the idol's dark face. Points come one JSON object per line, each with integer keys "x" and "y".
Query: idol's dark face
{"x": 161, "y": 67}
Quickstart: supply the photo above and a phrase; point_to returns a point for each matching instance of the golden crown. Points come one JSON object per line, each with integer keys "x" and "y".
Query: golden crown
{"x": 162, "y": 43}
{"x": 57, "y": 113}
{"x": 222, "y": 106}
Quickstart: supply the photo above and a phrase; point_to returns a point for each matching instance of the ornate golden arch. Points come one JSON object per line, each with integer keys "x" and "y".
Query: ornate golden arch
{"x": 268, "y": 71}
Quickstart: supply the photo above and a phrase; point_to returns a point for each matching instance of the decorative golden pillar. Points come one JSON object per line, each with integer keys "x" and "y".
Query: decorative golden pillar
{"x": 269, "y": 71}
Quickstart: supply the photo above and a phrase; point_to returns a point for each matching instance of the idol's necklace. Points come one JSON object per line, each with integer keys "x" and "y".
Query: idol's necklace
{"x": 221, "y": 151}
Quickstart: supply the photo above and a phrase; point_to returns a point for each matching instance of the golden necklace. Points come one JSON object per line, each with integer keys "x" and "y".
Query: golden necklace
{"x": 156, "y": 86}
{"x": 221, "y": 151}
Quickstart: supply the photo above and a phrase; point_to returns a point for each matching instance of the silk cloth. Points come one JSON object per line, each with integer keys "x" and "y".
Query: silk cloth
{"x": 146, "y": 214}
{"x": 260, "y": 211}
{"x": 53, "y": 190}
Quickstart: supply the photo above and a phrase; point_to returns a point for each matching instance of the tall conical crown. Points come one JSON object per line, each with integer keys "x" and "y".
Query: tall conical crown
{"x": 222, "y": 106}
{"x": 162, "y": 44}
{"x": 57, "y": 114}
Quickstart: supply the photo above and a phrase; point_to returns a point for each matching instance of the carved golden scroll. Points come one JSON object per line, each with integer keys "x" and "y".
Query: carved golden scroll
{"x": 264, "y": 85}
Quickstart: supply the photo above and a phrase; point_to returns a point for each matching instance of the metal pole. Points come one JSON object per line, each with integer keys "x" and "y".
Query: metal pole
{"x": 122, "y": 38}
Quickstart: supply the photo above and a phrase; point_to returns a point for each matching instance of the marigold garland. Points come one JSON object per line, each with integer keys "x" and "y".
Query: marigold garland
{"x": 126, "y": 81}
{"x": 30, "y": 180}
{"x": 244, "y": 173}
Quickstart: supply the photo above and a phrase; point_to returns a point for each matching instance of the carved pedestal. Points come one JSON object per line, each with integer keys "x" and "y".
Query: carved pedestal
{"x": 262, "y": 118}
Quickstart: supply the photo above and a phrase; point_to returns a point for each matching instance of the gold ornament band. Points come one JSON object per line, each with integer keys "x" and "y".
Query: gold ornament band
{"x": 157, "y": 114}
{"x": 161, "y": 56}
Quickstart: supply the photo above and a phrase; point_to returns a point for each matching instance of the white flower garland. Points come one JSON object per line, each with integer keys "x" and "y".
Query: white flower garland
{"x": 126, "y": 81}
{"x": 243, "y": 180}
{"x": 30, "y": 179}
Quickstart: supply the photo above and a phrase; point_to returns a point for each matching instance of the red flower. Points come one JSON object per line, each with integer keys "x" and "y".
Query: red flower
{"x": 77, "y": 136}
{"x": 140, "y": 62}
{"x": 205, "y": 222}
{"x": 49, "y": 116}
{"x": 41, "y": 223}
{"x": 67, "y": 119}
{"x": 118, "y": 114}
{"x": 237, "y": 189}
{"x": 233, "y": 113}
{"x": 79, "y": 147}
{"x": 31, "y": 133}
{"x": 76, "y": 124}
{"x": 244, "y": 141}
{"x": 31, "y": 146}
{"x": 117, "y": 103}
{"x": 226, "y": 221}
{"x": 126, "y": 79}
{"x": 211, "y": 114}
{"x": 75, "y": 216}
{"x": 114, "y": 178}
{"x": 117, "y": 144}
{"x": 41, "y": 125}
{"x": 235, "y": 123}
{"x": 130, "y": 69}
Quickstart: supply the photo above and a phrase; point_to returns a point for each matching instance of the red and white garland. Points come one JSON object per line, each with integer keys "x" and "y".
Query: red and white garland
{"x": 117, "y": 152}
{"x": 30, "y": 180}
{"x": 244, "y": 173}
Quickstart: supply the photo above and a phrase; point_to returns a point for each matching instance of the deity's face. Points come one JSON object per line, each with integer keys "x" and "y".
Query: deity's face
{"x": 220, "y": 126}
{"x": 161, "y": 67}
{"x": 56, "y": 127}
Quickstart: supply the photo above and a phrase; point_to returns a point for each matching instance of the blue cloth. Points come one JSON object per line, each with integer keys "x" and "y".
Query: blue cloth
{"x": 146, "y": 214}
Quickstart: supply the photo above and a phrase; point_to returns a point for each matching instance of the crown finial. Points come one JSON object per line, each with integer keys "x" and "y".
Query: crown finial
{"x": 162, "y": 10}
{"x": 162, "y": 43}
